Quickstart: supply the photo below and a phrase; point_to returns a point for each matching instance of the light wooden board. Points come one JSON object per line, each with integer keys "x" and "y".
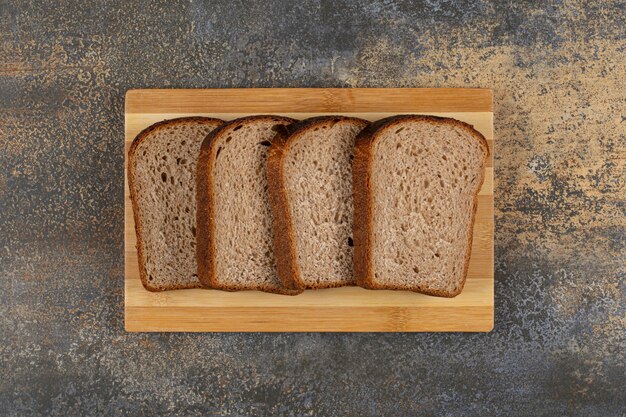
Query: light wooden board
{"x": 339, "y": 309}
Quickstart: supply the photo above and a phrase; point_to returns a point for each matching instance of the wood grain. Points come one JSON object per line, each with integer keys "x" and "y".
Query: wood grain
{"x": 339, "y": 309}
{"x": 313, "y": 100}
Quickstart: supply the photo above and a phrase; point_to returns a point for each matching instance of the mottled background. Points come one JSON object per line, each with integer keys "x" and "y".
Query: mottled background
{"x": 558, "y": 71}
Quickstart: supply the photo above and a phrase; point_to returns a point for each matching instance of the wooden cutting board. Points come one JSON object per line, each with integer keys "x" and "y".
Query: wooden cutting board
{"x": 339, "y": 309}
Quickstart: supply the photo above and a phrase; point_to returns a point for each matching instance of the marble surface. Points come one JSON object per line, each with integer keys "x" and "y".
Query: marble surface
{"x": 557, "y": 69}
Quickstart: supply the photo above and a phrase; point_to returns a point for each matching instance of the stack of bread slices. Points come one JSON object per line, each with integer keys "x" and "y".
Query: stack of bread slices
{"x": 280, "y": 205}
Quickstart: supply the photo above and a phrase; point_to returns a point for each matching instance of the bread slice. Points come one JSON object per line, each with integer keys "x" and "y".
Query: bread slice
{"x": 234, "y": 217}
{"x": 161, "y": 178}
{"x": 416, "y": 184}
{"x": 310, "y": 176}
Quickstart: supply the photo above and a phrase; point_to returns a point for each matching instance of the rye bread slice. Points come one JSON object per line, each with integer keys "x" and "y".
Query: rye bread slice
{"x": 234, "y": 217}
{"x": 161, "y": 178}
{"x": 416, "y": 184}
{"x": 310, "y": 176}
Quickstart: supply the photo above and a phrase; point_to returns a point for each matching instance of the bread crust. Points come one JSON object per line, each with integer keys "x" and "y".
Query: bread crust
{"x": 143, "y": 274}
{"x": 284, "y": 250}
{"x": 284, "y": 231}
{"x": 362, "y": 198}
{"x": 205, "y": 247}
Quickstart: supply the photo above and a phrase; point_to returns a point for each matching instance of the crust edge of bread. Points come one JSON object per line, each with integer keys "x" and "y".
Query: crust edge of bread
{"x": 362, "y": 224}
{"x": 140, "y": 138}
{"x": 205, "y": 250}
{"x": 284, "y": 235}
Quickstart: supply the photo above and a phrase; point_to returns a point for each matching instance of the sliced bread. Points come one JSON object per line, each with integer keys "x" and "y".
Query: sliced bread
{"x": 234, "y": 217}
{"x": 161, "y": 177}
{"x": 310, "y": 178}
{"x": 416, "y": 184}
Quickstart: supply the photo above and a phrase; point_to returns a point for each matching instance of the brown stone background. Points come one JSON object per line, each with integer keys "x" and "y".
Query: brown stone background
{"x": 558, "y": 70}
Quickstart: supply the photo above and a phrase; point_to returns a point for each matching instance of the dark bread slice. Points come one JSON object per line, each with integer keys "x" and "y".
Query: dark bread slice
{"x": 416, "y": 183}
{"x": 310, "y": 177}
{"x": 234, "y": 218}
{"x": 161, "y": 178}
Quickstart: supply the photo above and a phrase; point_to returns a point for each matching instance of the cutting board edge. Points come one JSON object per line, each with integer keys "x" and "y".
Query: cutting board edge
{"x": 319, "y": 100}
{"x": 310, "y": 319}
